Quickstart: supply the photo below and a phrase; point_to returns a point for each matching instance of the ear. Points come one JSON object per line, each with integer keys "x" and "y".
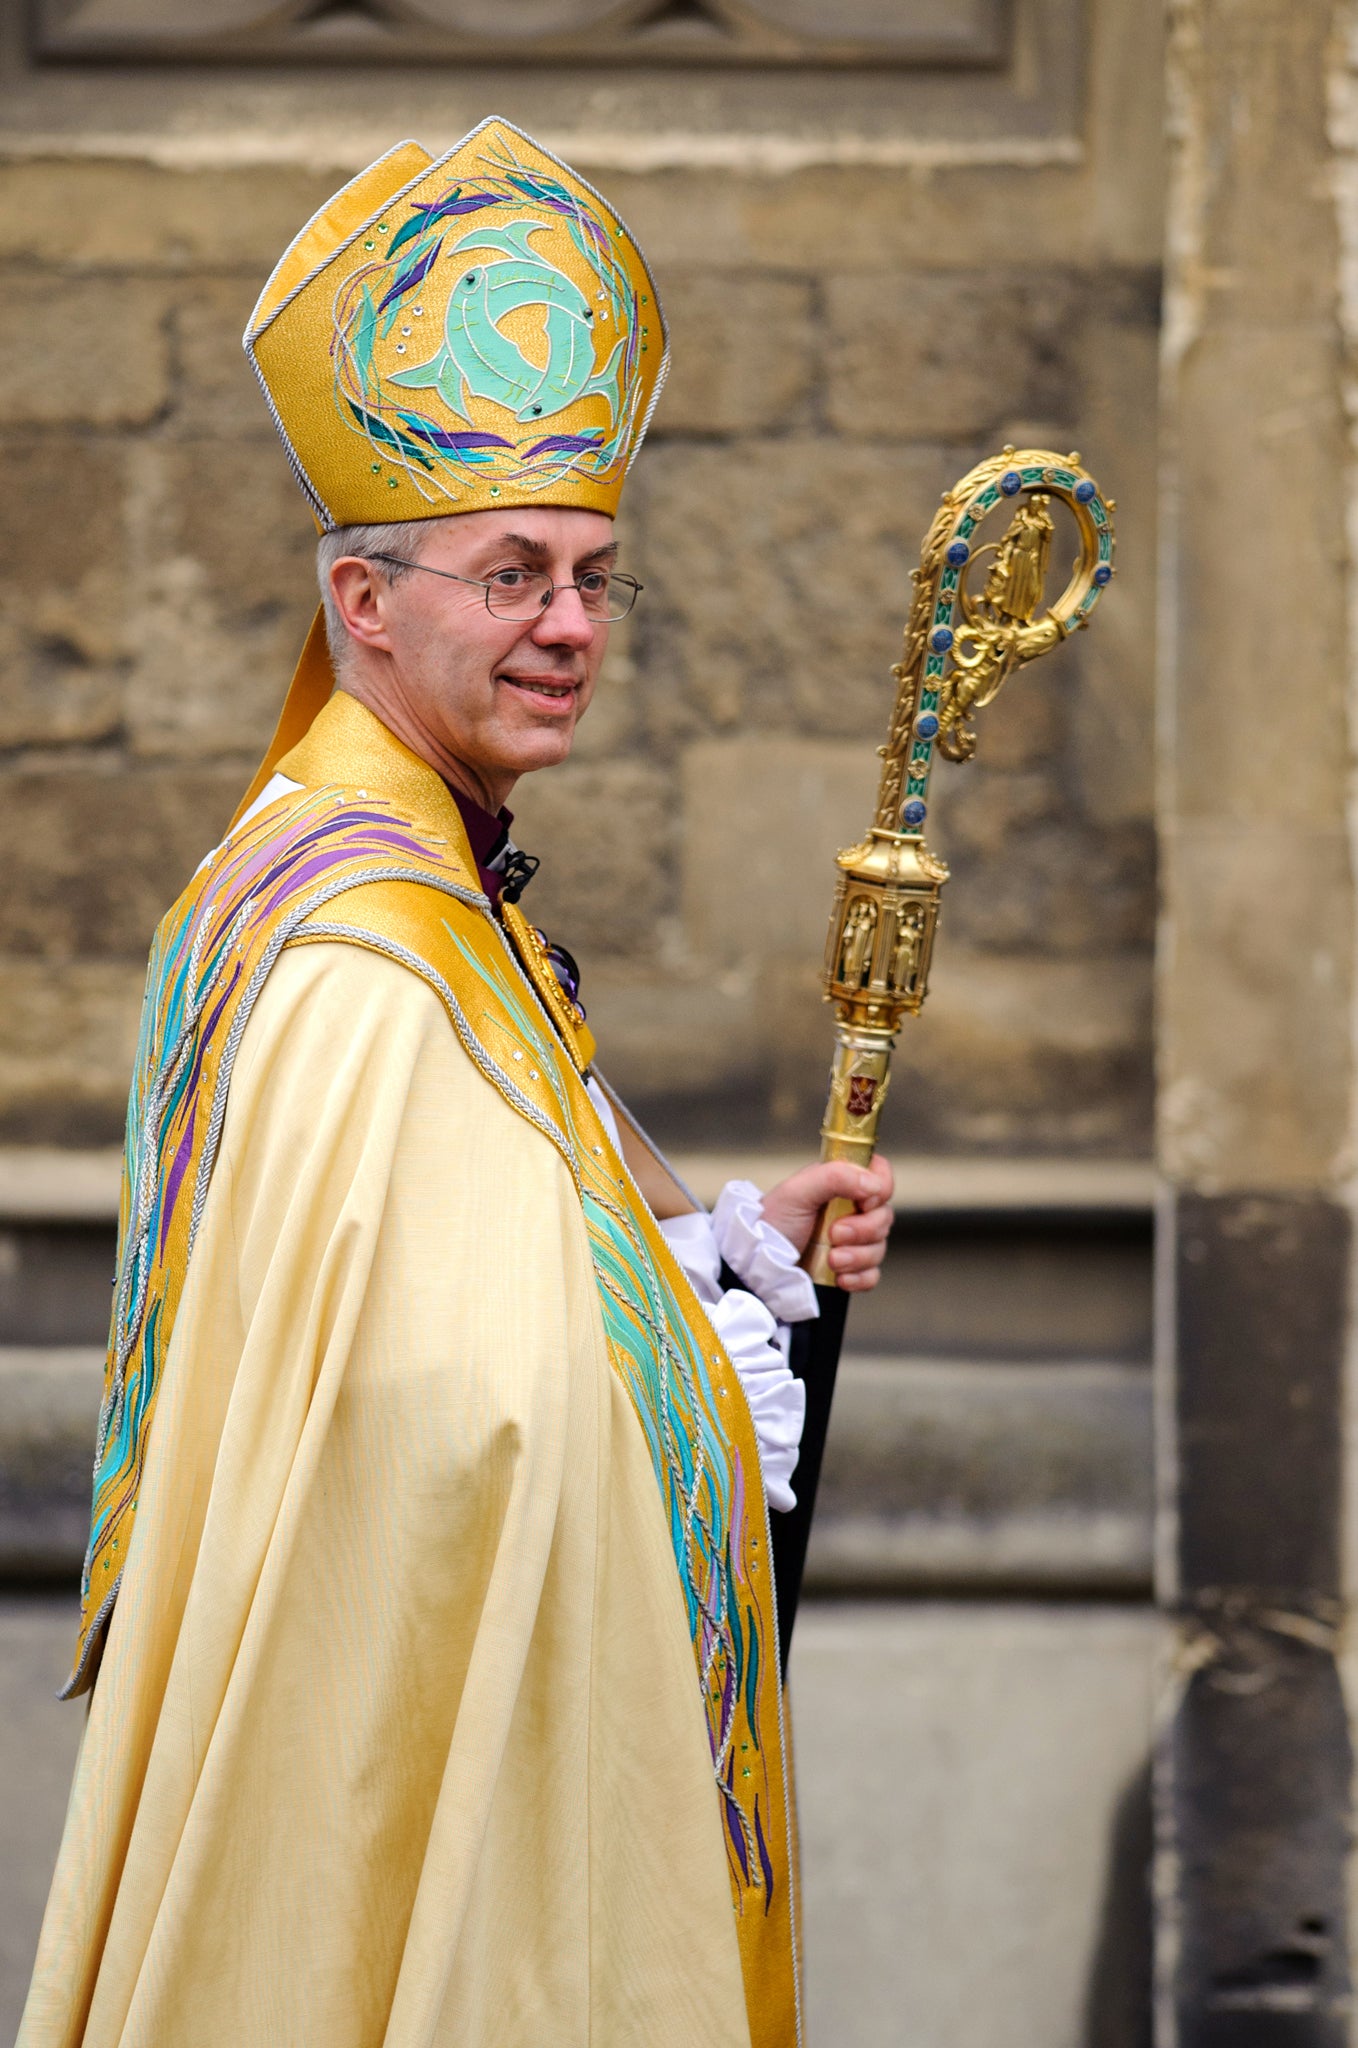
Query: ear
{"x": 361, "y": 601}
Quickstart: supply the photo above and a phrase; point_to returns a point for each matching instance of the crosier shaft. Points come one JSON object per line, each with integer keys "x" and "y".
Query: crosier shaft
{"x": 858, "y": 1083}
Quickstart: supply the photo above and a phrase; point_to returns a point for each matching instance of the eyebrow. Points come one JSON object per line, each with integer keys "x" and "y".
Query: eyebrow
{"x": 538, "y": 550}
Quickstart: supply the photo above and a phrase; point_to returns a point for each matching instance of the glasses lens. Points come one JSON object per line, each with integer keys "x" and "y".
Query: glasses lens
{"x": 518, "y": 593}
{"x": 524, "y": 594}
{"x": 606, "y": 597}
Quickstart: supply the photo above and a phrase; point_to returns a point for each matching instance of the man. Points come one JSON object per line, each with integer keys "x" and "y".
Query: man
{"x": 429, "y": 1594}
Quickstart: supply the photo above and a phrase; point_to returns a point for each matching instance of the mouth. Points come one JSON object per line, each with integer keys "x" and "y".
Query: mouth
{"x": 544, "y": 693}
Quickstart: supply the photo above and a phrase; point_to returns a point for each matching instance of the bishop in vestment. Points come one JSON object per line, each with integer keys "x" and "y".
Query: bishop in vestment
{"x": 428, "y": 1621}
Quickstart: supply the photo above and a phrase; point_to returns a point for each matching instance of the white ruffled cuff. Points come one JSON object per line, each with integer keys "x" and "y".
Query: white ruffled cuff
{"x": 761, "y": 1256}
{"x": 756, "y": 1347}
{"x": 777, "y": 1399}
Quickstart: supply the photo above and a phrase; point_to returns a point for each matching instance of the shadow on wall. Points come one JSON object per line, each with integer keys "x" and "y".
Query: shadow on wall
{"x": 1118, "y": 2001}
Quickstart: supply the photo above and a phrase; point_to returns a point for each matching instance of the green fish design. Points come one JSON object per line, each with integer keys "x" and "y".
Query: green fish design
{"x": 477, "y": 358}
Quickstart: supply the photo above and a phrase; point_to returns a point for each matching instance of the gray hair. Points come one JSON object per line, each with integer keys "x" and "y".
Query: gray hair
{"x": 404, "y": 537}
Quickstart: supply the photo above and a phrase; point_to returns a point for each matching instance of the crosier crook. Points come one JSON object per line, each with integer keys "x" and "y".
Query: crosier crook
{"x": 960, "y": 648}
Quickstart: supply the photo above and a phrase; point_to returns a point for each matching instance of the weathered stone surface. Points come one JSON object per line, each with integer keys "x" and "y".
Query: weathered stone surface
{"x": 683, "y": 1049}
{"x": 215, "y": 390}
{"x": 56, "y": 1278}
{"x": 1027, "y": 875}
{"x": 948, "y": 1475}
{"x": 111, "y": 215}
{"x": 1010, "y": 1052}
{"x": 68, "y": 1033}
{"x": 63, "y": 622}
{"x": 80, "y": 352}
{"x": 949, "y": 356}
{"x": 1267, "y": 417}
{"x": 762, "y": 822}
{"x": 224, "y": 594}
{"x": 1254, "y": 1086}
{"x": 1269, "y": 242}
{"x": 39, "y": 1738}
{"x": 1001, "y": 1283}
{"x": 603, "y": 832}
{"x": 93, "y": 861}
{"x": 49, "y": 1409}
{"x": 1125, "y": 126}
{"x": 974, "y": 1823}
{"x": 742, "y": 353}
{"x": 1109, "y": 673}
{"x": 777, "y": 577}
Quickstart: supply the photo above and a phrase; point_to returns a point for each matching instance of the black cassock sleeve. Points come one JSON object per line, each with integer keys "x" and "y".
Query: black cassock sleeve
{"x": 813, "y": 1355}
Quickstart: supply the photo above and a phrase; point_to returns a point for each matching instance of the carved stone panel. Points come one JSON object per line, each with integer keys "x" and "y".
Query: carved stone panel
{"x": 854, "y": 33}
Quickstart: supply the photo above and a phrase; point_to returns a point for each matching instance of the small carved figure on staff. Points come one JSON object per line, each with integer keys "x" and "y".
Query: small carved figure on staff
{"x": 1019, "y": 571}
{"x": 905, "y": 952}
{"x": 856, "y": 949}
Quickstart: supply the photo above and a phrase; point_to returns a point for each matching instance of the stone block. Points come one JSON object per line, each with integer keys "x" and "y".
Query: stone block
{"x": 762, "y": 821}
{"x": 1007, "y": 1280}
{"x": 681, "y": 1048}
{"x": 49, "y": 1410}
{"x": 215, "y": 390}
{"x": 1255, "y": 1033}
{"x": 98, "y": 891}
{"x": 827, "y": 216}
{"x": 1012, "y": 1053}
{"x": 1111, "y": 706}
{"x": 1015, "y": 1052}
{"x": 1124, "y": 133}
{"x": 224, "y": 593}
{"x": 975, "y": 1824}
{"x": 68, "y": 1034}
{"x": 1257, "y": 96}
{"x": 55, "y": 1278}
{"x": 1259, "y": 421}
{"x": 1029, "y": 876}
{"x": 950, "y": 356}
{"x": 81, "y": 352}
{"x": 91, "y": 213}
{"x": 39, "y": 1738}
{"x": 63, "y": 599}
{"x": 942, "y": 1476}
{"x": 742, "y": 353}
{"x": 603, "y": 832}
{"x": 777, "y": 582}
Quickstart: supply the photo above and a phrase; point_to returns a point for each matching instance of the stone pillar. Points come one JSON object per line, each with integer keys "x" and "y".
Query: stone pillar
{"x": 1255, "y": 1036}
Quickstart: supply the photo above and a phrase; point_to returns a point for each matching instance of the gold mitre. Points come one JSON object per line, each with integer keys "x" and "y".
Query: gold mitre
{"x": 458, "y": 334}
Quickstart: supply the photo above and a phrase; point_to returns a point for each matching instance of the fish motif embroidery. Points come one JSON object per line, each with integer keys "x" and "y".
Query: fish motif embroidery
{"x": 478, "y": 358}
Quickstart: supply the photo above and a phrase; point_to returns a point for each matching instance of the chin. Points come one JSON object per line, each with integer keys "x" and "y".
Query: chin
{"x": 543, "y": 748}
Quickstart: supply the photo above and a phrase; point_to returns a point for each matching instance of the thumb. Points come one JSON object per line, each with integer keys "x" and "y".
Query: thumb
{"x": 842, "y": 1177}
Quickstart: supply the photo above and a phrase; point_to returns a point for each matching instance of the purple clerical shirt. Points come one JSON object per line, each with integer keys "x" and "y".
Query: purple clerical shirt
{"x": 487, "y": 832}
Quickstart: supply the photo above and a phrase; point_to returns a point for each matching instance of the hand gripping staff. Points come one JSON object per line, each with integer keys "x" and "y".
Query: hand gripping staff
{"x": 975, "y": 618}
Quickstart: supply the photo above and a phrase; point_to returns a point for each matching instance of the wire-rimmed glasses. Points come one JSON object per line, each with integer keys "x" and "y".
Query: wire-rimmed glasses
{"x": 522, "y": 595}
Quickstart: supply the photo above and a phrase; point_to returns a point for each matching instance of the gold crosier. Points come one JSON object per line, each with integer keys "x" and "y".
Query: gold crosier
{"x": 961, "y": 646}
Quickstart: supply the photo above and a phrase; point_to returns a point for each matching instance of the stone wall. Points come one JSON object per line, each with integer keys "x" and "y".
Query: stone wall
{"x": 848, "y": 339}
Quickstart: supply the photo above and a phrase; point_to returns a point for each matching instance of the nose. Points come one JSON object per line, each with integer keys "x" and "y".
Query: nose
{"x": 564, "y": 622}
